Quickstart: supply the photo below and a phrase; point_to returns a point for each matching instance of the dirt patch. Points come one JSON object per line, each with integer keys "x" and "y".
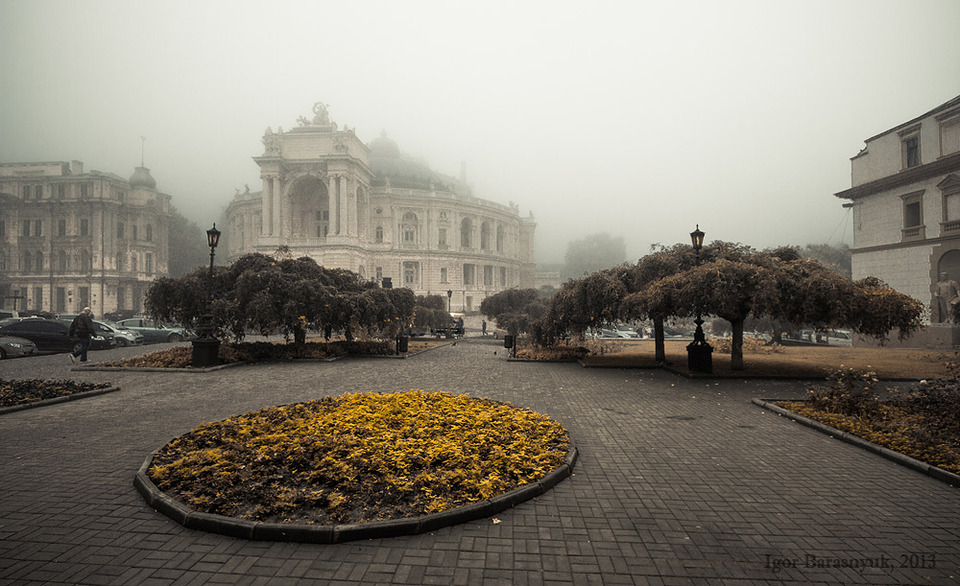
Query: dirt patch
{"x": 793, "y": 361}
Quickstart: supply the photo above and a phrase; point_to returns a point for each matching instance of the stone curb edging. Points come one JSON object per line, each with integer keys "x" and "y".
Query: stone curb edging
{"x": 912, "y": 463}
{"x": 330, "y": 534}
{"x": 55, "y": 400}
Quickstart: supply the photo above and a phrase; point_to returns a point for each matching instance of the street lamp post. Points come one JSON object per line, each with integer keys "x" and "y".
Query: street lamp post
{"x": 449, "y": 299}
{"x": 207, "y": 346}
{"x": 699, "y": 352}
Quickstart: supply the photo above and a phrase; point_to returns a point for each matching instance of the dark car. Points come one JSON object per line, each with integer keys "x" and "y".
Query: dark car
{"x": 48, "y": 335}
{"x": 153, "y": 333}
{"x": 12, "y": 346}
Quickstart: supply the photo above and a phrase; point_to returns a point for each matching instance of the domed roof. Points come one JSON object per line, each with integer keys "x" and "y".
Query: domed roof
{"x": 384, "y": 148}
{"x": 141, "y": 178}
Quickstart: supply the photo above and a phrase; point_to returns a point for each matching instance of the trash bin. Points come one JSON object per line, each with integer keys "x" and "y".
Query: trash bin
{"x": 402, "y": 344}
{"x": 508, "y": 341}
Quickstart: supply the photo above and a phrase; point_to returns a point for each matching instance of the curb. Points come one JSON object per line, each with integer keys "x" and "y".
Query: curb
{"x": 330, "y": 534}
{"x": 928, "y": 469}
{"x": 55, "y": 400}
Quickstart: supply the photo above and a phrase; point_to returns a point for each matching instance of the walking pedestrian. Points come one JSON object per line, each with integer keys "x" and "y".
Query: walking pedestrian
{"x": 82, "y": 328}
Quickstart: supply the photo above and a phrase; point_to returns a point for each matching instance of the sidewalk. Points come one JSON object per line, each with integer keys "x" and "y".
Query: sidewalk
{"x": 678, "y": 482}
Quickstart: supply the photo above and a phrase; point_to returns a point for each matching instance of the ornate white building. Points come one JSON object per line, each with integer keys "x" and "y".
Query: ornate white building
{"x": 70, "y": 239}
{"x": 371, "y": 210}
{"x": 905, "y": 196}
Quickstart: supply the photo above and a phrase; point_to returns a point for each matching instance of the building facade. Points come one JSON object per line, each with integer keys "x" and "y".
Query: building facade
{"x": 372, "y": 210}
{"x": 905, "y": 197}
{"x": 71, "y": 239}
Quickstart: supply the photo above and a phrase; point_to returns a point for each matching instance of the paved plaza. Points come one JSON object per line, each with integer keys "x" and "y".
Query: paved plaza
{"x": 678, "y": 482}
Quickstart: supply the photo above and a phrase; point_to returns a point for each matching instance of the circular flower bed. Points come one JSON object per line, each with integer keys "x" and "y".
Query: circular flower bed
{"x": 359, "y": 457}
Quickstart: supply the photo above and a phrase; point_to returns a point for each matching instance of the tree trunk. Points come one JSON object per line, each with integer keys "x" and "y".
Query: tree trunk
{"x": 736, "y": 345}
{"x": 661, "y": 353}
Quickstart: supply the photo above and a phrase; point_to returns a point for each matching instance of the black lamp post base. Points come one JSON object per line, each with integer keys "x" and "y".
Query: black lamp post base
{"x": 699, "y": 352}
{"x": 205, "y": 352}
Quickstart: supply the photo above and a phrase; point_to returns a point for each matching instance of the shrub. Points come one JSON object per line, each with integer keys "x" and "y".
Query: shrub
{"x": 851, "y": 392}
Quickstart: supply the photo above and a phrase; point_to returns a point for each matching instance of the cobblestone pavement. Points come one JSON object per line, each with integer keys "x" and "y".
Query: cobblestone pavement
{"x": 678, "y": 482}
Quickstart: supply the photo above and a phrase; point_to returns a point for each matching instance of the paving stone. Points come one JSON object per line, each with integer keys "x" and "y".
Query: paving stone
{"x": 678, "y": 482}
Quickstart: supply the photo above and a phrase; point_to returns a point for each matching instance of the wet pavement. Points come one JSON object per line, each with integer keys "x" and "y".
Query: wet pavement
{"x": 678, "y": 482}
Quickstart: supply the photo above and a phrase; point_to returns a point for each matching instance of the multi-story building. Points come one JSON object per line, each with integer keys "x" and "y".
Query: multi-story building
{"x": 905, "y": 196}
{"x": 372, "y": 210}
{"x": 70, "y": 239}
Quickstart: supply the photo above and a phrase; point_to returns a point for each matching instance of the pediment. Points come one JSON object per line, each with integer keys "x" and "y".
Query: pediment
{"x": 950, "y": 183}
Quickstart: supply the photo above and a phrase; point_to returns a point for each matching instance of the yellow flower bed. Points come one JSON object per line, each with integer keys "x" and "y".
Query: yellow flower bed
{"x": 892, "y": 428}
{"x": 359, "y": 457}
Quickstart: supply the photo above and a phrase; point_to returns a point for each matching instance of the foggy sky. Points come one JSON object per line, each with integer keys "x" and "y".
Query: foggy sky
{"x": 640, "y": 119}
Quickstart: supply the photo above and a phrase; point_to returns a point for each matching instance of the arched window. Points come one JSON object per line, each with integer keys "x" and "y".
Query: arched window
{"x": 409, "y": 228}
{"x": 39, "y": 262}
{"x": 27, "y": 265}
{"x": 378, "y": 238}
{"x": 485, "y": 236}
{"x": 466, "y": 233}
{"x": 499, "y": 237}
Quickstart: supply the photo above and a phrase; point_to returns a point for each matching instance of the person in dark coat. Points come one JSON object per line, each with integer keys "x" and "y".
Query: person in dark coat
{"x": 82, "y": 328}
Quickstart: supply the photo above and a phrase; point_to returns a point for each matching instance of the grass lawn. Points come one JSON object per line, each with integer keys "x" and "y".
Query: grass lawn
{"x": 792, "y": 361}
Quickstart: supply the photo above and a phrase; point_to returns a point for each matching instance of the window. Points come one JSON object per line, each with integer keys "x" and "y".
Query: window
{"x": 443, "y": 275}
{"x": 500, "y": 238}
{"x": 379, "y": 273}
{"x": 950, "y": 189}
{"x": 26, "y": 228}
{"x": 134, "y": 228}
{"x": 411, "y": 273}
{"x": 469, "y": 274}
{"x": 910, "y": 148}
{"x": 503, "y": 276}
{"x": 38, "y": 228}
{"x": 3, "y": 229}
{"x": 119, "y": 229}
{"x": 148, "y": 263}
{"x": 61, "y": 191}
{"x": 133, "y": 262}
{"x": 149, "y": 232}
{"x": 442, "y": 240}
{"x": 61, "y": 227}
{"x": 487, "y": 276}
{"x": 323, "y": 223}
{"x": 84, "y": 297}
{"x": 950, "y": 135}
{"x": 485, "y": 236}
{"x": 38, "y": 297}
{"x": 466, "y": 236}
{"x": 86, "y": 262}
{"x": 409, "y": 228}
{"x": 61, "y": 304}
{"x": 27, "y": 265}
{"x": 84, "y": 227}
{"x": 120, "y": 262}
{"x": 38, "y": 262}
{"x": 26, "y": 192}
{"x": 38, "y": 191}
{"x": 63, "y": 261}
{"x": 379, "y": 235}
{"x": 913, "y": 228}
{"x": 84, "y": 190}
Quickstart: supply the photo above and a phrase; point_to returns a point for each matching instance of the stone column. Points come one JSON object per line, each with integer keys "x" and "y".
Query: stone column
{"x": 277, "y": 219}
{"x": 266, "y": 208}
{"x": 333, "y": 196}
{"x": 345, "y": 207}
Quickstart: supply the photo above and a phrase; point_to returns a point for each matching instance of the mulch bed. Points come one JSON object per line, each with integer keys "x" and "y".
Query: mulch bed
{"x": 20, "y": 392}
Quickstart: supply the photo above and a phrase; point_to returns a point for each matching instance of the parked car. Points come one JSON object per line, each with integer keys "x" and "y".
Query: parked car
{"x": 153, "y": 332}
{"x": 5, "y": 313}
{"x": 48, "y": 335}
{"x": 122, "y": 336}
{"x": 12, "y": 347}
{"x": 100, "y": 340}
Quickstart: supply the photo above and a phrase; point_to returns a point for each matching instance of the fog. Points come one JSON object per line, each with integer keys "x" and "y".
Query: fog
{"x": 640, "y": 119}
